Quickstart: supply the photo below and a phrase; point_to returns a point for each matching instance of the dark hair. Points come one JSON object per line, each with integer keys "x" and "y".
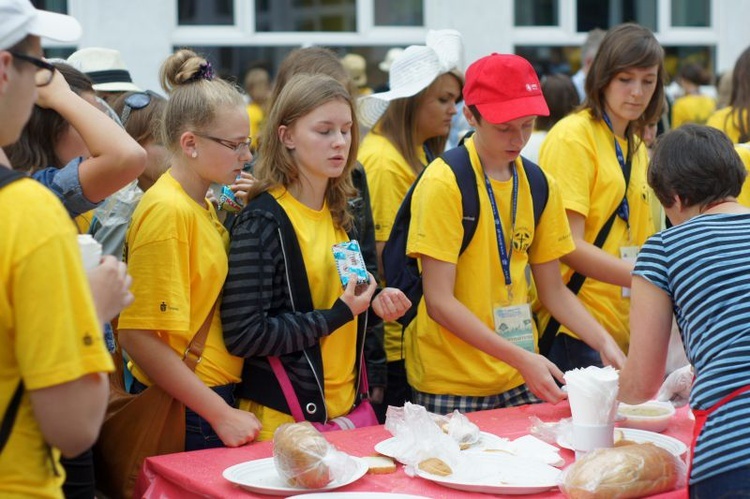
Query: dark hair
{"x": 562, "y": 98}
{"x": 695, "y": 74}
{"x": 143, "y": 124}
{"x": 35, "y": 149}
{"x": 696, "y": 163}
{"x": 740, "y": 99}
{"x": 625, "y": 47}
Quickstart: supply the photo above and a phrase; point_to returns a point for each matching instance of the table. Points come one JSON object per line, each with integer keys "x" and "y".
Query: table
{"x": 198, "y": 473}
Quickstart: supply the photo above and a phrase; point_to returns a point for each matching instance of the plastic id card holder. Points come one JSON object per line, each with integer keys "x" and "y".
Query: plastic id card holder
{"x": 629, "y": 254}
{"x": 349, "y": 261}
{"x": 514, "y": 324}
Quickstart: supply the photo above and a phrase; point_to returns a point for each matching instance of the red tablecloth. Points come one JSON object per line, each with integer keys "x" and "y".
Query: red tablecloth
{"x": 198, "y": 474}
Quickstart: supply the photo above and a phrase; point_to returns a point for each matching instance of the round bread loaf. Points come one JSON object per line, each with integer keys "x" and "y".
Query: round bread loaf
{"x": 624, "y": 472}
{"x": 299, "y": 452}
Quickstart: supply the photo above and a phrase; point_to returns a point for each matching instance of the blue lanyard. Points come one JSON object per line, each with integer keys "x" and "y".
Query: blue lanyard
{"x": 623, "y": 211}
{"x": 501, "y": 248}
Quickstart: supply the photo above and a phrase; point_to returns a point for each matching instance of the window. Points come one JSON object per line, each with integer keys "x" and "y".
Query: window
{"x": 60, "y": 6}
{"x": 607, "y": 13}
{"x": 205, "y": 12}
{"x": 691, "y": 13}
{"x": 537, "y": 13}
{"x": 306, "y": 15}
{"x": 398, "y": 12}
{"x": 550, "y": 60}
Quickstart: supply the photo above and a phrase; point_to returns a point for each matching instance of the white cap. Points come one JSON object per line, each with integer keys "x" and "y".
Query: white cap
{"x": 18, "y": 19}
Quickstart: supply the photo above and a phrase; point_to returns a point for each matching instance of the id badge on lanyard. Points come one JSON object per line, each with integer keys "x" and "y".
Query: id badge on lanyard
{"x": 512, "y": 322}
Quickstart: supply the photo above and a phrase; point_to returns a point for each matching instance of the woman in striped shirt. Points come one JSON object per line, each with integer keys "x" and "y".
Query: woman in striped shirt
{"x": 698, "y": 270}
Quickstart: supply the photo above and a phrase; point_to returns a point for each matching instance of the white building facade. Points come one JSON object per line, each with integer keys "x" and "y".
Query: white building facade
{"x": 239, "y": 34}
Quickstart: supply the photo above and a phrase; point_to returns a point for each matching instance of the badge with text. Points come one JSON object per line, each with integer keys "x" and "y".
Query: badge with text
{"x": 514, "y": 324}
{"x": 628, "y": 253}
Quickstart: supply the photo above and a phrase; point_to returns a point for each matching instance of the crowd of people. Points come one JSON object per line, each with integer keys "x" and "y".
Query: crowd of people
{"x": 560, "y": 264}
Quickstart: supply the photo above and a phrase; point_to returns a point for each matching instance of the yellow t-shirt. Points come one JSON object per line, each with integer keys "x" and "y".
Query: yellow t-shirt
{"x": 744, "y": 151}
{"x": 723, "y": 119}
{"x": 437, "y": 361}
{"x": 48, "y": 326}
{"x": 316, "y": 234}
{"x": 389, "y": 178}
{"x": 177, "y": 255}
{"x": 692, "y": 109}
{"x": 579, "y": 152}
{"x": 257, "y": 117}
{"x": 83, "y": 221}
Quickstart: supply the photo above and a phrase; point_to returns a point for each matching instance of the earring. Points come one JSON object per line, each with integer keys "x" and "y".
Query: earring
{"x": 195, "y": 154}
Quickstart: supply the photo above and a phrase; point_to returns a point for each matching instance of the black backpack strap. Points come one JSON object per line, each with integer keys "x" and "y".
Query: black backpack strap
{"x": 539, "y": 187}
{"x": 10, "y": 416}
{"x": 460, "y": 163}
{"x": 7, "y": 175}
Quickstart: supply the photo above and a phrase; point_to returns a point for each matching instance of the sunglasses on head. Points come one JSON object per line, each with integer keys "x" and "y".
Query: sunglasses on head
{"x": 134, "y": 101}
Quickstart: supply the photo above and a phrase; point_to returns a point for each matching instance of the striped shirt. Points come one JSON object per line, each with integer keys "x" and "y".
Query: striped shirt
{"x": 704, "y": 266}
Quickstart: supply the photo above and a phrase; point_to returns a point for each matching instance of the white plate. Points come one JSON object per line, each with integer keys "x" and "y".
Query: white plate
{"x": 389, "y": 447}
{"x": 498, "y": 474}
{"x": 357, "y": 495}
{"x": 261, "y": 476}
{"x": 673, "y": 445}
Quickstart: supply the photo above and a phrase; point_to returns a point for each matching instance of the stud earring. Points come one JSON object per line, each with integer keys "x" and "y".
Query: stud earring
{"x": 194, "y": 155}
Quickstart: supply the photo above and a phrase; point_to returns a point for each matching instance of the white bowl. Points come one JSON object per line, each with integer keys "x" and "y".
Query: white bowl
{"x": 650, "y": 416}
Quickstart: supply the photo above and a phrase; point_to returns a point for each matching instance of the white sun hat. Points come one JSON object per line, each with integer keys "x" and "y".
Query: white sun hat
{"x": 19, "y": 18}
{"x": 105, "y": 67}
{"x": 413, "y": 71}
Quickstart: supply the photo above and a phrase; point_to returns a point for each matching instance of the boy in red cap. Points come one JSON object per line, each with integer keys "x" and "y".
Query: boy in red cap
{"x": 474, "y": 344}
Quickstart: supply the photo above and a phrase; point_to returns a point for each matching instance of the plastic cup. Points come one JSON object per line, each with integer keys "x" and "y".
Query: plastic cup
{"x": 589, "y": 437}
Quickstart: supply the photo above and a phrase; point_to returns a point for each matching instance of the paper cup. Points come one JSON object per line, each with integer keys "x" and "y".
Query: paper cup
{"x": 91, "y": 251}
{"x": 589, "y": 437}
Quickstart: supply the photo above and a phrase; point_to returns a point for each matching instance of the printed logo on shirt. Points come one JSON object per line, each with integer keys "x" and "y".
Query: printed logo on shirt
{"x": 522, "y": 240}
{"x": 164, "y": 306}
{"x": 646, "y": 194}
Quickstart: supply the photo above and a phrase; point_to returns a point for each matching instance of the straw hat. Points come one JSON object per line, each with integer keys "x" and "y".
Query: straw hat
{"x": 413, "y": 71}
{"x": 356, "y": 66}
{"x": 390, "y": 56}
{"x": 105, "y": 67}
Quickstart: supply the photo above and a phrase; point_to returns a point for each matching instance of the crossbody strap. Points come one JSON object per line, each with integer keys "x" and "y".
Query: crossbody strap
{"x": 10, "y": 415}
{"x": 194, "y": 351}
{"x": 291, "y": 397}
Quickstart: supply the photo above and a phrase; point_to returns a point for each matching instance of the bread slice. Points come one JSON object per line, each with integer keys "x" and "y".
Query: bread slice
{"x": 435, "y": 466}
{"x": 380, "y": 465}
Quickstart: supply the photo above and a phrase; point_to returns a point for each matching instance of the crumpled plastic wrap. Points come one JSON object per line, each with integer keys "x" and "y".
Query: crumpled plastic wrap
{"x": 305, "y": 458}
{"x": 419, "y": 436}
{"x": 552, "y": 432}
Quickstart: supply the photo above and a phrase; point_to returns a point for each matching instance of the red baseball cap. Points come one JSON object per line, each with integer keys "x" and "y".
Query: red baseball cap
{"x": 504, "y": 87}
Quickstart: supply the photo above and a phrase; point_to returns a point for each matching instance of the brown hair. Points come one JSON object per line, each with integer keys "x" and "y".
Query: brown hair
{"x": 35, "y": 148}
{"x": 276, "y": 167}
{"x": 399, "y": 126}
{"x": 195, "y": 96}
{"x": 740, "y": 97}
{"x": 143, "y": 124}
{"x": 562, "y": 98}
{"x": 625, "y": 47}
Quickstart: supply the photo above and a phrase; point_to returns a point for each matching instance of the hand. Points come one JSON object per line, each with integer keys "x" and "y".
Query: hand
{"x": 237, "y": 427}
{"x": 241, "y": 186}
{"x": 611, "y": 354}
{"x": 390, "y": 304}
{"x": 377, "y": 393}
{"x": 676, "y": 388}
{"x": 57, "y": 89}
{"x": 539, "y": 374}
{"x": 358, "y": 302}
{"x": 110, "y": 287}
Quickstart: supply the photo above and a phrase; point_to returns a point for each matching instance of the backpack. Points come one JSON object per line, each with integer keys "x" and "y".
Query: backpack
{"x": 6, "y": 425}
{"x": 402, "y": 271}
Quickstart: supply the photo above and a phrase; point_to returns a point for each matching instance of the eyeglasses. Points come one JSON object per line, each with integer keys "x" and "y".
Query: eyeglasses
{"x": 45, "y": 71}
{"x": 237, "y": 147}
{"x": 134, "y": 101}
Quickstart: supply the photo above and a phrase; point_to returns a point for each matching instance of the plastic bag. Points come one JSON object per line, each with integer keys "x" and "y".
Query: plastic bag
{"x": 460, "y": 429}
{"x": 304, "y": 457}
{"x": 419, "y": 437}
{"x": 553, "y": 432}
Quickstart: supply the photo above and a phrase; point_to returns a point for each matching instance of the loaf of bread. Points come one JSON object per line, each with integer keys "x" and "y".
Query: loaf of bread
{"x": 623, "y": 472}
{"x": 299, "y": 453}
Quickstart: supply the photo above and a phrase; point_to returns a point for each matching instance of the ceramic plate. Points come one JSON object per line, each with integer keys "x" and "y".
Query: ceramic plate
{"x": 486, "y": 441}
{"x": 261, "y": 476}
{"x": 673, "y": 445}
{"x": 358, "y": 495}
{"x": 498, "y": 474}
